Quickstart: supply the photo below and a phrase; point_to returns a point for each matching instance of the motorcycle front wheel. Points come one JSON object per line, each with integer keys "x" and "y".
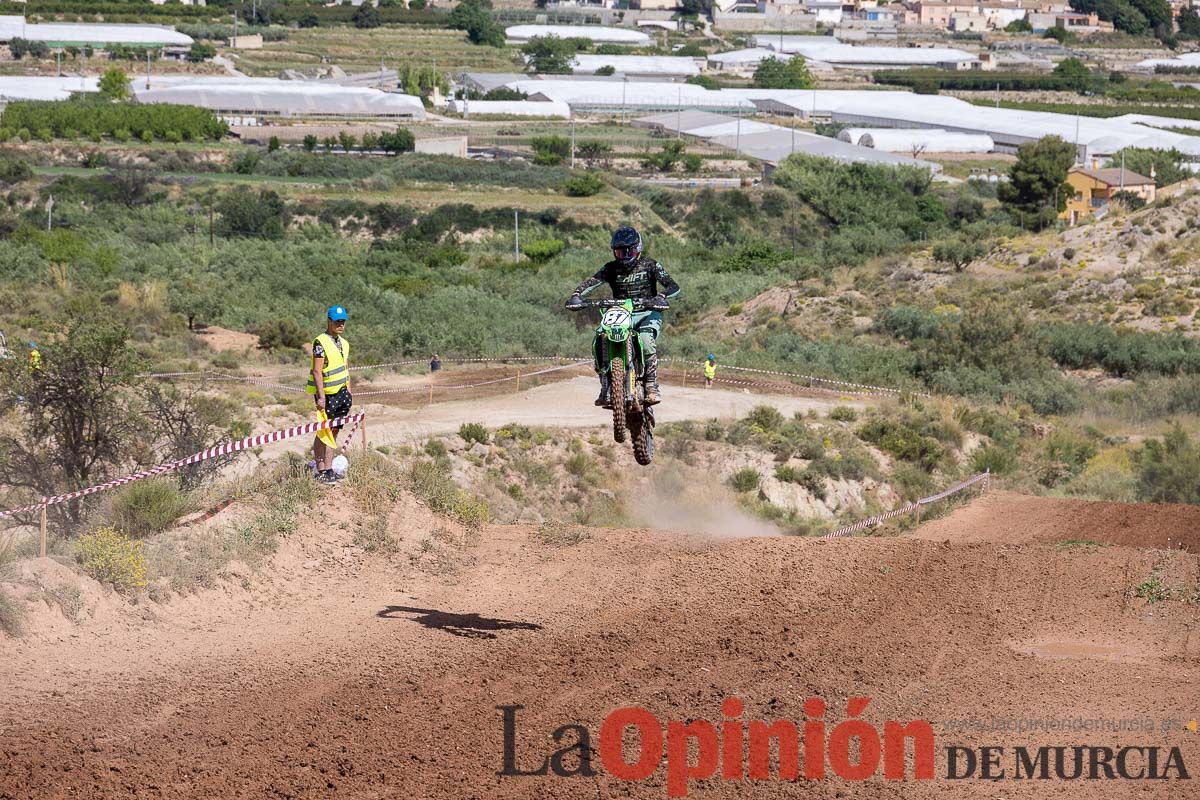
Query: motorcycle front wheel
{"x": 616, "y": 372}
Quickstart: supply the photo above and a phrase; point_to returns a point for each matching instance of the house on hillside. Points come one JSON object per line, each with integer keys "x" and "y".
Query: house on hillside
{"x": 1095, "y": 188}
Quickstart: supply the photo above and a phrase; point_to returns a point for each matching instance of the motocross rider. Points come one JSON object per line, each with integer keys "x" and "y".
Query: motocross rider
{"x": 632, "y": 275}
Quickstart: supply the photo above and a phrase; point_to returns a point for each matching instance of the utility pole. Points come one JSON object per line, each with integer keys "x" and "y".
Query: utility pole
{"x": 997, "y": 94}
{"x": 572, "y": 138}
{"x": 147, "y": 68}
{"x": 679, "y": 114}
{"x": 624, "y": 84}
{"x": 49, "y": 212}
{"x": 516, "y": 236}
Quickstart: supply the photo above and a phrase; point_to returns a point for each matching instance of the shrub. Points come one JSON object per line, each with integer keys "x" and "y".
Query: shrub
{"x": 1167, "y": 469}
{"x": 746, "y": 479}
{"x": 903, "y": 441}
{"x": 550, "y": 150}
{"x": 110, "y": 556}
{"x": 542, "y": 250}
{"x": 147, "y": 507}
{"x": 280, "y": 334}
{"x": 995, "y": 459}
{"x": 584, "y": 184}
{"x": 474, "y": 432}
{"x": 843, "y": 414}
{"x": 766, "y": 417}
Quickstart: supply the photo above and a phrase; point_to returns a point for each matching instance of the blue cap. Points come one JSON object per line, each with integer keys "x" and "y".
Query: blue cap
{"x": 33, "y": 345}
{"x": 336, "y": 313}
{"x": 711, "y": 357}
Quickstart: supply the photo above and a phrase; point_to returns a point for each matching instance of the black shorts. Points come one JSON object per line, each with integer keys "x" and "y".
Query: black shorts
{"x": 338, "y": 405}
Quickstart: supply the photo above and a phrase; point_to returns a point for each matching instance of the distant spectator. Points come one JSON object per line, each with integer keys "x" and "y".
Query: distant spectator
{"x": 35, "y": 357}
{"x": 710, "y": 370}
{"x": 435, "y": 363}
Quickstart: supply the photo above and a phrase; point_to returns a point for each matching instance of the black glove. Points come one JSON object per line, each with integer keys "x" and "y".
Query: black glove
{"x": 576, "y": 301}
{"x": 658, "y": 302}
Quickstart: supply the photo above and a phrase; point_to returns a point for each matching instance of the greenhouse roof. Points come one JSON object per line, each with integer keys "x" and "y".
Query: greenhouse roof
{"x": 91, "y": 34}
{"x": 286, "y": 98}
{"x": 522, "y": 33}
{"x": 644, "y": 65}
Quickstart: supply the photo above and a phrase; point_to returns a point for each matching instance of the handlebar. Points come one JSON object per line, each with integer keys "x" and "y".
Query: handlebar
{"x": 639, "y": 304}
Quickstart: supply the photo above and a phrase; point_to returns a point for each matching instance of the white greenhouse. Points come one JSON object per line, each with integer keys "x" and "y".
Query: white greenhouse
{"x": 831, "y": 51}
{"x": 588, "y": 63}
{"x": 511, "y": 108}
{"x": 269, "y": 97}
{"x": 741, "y": 59}
{"x": 632, "y": 96}
{"x": 99, "y": 36}
{"x": 600, "y": 35}
{"x": 36, "y": 87}
{"x": 918, "y": 140}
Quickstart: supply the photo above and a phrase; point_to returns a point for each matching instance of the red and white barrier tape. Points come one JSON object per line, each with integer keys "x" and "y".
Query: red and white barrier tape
{"x": 857, "y": 387}
{"x": 871, "y": 522}
{"x": 224, "y": 448}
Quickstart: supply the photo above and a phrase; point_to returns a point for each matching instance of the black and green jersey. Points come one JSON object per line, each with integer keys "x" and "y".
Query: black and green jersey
{"x": 645, "y": 279}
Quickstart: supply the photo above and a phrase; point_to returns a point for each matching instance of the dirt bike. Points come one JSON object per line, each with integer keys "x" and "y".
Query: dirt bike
{"x": 618, "y": 346}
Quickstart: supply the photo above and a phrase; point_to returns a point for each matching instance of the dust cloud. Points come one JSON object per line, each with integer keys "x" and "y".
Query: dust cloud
{"x": 693, "y": 502}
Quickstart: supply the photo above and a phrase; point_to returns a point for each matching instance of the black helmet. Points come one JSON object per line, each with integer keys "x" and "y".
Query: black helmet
{"x": 626, "y": 245}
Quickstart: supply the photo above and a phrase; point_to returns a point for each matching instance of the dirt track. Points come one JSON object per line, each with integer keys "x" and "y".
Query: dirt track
{"x": 350, "y": 677}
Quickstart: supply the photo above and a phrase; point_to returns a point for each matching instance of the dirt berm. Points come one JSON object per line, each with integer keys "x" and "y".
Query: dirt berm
{"x": 358, "y": 677}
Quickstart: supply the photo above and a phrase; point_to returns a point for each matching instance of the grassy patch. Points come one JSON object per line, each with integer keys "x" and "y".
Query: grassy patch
{"x": 373, "y": 537}
{"x": 431, "y": 482}
{"x": 557, "y": 533}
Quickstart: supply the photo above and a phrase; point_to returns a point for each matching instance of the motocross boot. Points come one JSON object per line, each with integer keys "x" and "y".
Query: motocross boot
{"x": 605, "y": 398}
{"x": 650, "y": 380}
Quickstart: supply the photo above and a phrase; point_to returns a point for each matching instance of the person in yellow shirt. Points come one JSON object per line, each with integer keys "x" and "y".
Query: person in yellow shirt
{"x": 710, "y": 370}
{"x": 330, "y": 385}
{"x": 35, "y": 357}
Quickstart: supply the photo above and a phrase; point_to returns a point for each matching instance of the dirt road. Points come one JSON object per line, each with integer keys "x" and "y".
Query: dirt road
{"x": 351, "y": 676}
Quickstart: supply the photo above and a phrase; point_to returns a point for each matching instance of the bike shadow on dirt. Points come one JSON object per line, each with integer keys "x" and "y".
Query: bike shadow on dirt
{"x": 472, "y": 626}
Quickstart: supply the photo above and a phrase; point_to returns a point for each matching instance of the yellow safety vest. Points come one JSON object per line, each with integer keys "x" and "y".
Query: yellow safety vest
{"x": 35, "y": 359}
{"x": 710, "y": 370}
{"x": 335, "y": 372}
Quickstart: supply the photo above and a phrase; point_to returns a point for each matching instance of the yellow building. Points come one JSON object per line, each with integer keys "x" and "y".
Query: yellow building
{"x": 1094, "y": 188}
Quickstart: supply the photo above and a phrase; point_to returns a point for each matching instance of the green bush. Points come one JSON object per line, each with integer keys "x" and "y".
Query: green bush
{"x": 902, "y": 440}
{"x": 1167, "y": 470}
{"x": 766, "y": 417}
{"x": 542, "y": 250}
{"x": 993, "y": 458}
{"x": 585, "y": 184}
{"x": 474, "y": 432}
{"x": 280, "y": 334}
{"x": 843, "y": 414}
{"x": 148, "y": 507}
{"x": 746, "y": 479}
{"x": 548, "y": 150}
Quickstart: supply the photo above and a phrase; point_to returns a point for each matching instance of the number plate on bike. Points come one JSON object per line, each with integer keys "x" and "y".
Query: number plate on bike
{"x": 616, "y": 318}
